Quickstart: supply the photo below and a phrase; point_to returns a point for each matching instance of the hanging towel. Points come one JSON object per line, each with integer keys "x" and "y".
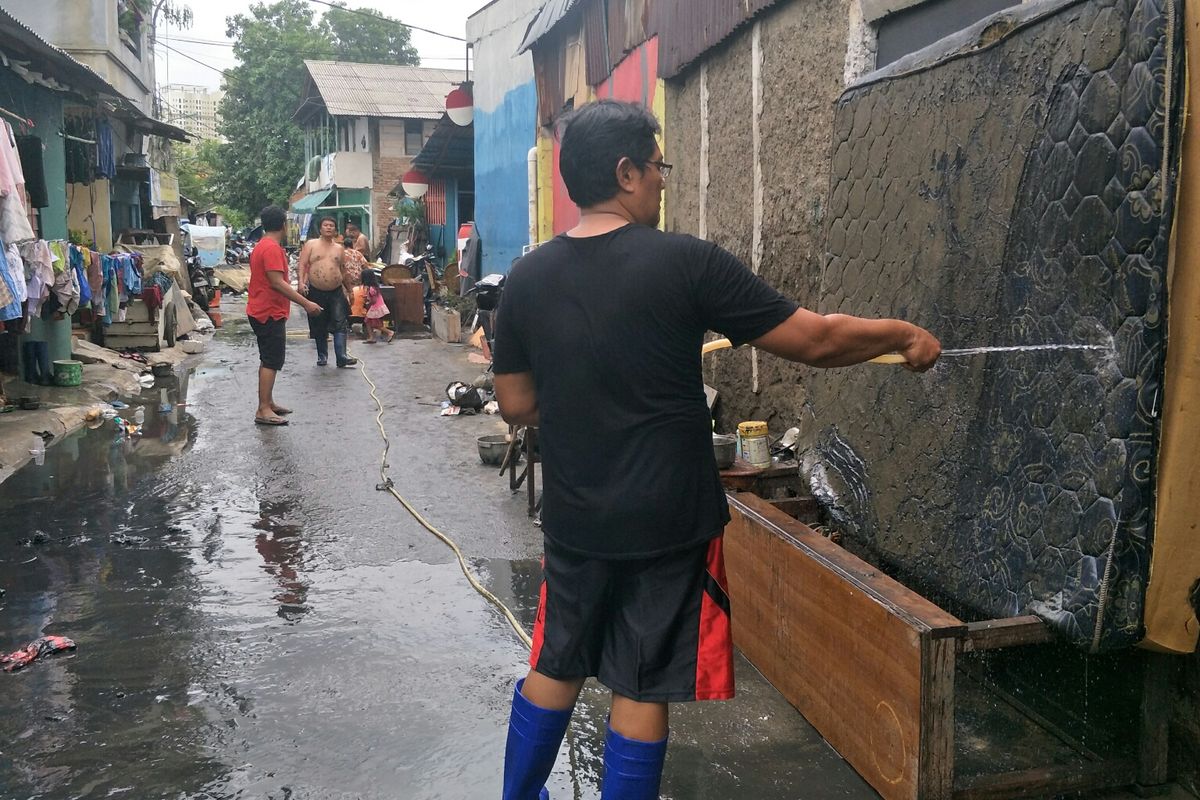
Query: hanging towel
{"x": 106, "y": 161}
{"x": 14, "y": 217}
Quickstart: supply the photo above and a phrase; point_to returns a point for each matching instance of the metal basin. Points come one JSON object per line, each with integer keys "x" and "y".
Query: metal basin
{"x": 725, "y": 449}
{"x": 493, "y": 447}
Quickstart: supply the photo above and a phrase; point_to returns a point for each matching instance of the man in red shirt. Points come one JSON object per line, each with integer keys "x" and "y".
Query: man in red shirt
{"x": 268, "y": 308}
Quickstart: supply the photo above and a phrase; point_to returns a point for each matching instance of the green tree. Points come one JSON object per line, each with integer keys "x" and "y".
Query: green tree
{"x": 264, "y": 155}
{"x": 197, "y": 165}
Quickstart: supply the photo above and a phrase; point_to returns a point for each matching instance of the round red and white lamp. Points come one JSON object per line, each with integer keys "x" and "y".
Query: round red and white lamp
{"x": 414, "y": 183}
{"x": 460, "y": 106}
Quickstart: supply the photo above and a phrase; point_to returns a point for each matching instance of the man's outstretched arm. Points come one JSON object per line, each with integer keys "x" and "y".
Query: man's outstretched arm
{"x": 839, "y": 340}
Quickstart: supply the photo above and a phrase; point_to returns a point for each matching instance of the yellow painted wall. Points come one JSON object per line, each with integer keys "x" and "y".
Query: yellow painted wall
{"x": 545, "y": 191}
{"x": 88, "y": 210}
{"x": 1171, "y": 623}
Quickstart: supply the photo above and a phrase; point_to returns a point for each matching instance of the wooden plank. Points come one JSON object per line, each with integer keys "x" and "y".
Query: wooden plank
{"x": 993, "y": 634}
{"x": 922, "y": 614}
{"x": 935, "y": 778}
{"x": 1047, "y": 781}
{"x": 1155, "y": 720}
{"x": 841, "y": 641}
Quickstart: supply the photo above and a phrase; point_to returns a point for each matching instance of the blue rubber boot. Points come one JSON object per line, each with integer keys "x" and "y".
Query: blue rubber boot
{"x": 322, "y": 351}
{"x": 534, "y": 735}
{"x": 632, "y": 769}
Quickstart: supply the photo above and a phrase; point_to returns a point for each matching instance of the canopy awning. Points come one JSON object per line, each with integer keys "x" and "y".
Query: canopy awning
{"x": 310, "y": 202}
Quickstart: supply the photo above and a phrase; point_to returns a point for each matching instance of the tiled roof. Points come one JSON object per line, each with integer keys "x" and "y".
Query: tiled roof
{"x": 382, "y": 90}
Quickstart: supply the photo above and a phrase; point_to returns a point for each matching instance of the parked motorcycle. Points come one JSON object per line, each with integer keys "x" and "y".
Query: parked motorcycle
{"x": 425, "y": 269}
{"x": 238, "y": 251}
{"x": 204, "y": 284}
{"x": 487, "y": 292}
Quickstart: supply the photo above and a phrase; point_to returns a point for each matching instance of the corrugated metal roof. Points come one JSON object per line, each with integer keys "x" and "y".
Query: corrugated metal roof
{"x": 551, "y": 14}
{"x": 689, "y": 28}
{"x": 23, "y": 42}
{"x": 382, "y": 90}
{"x": 449, "y": 151}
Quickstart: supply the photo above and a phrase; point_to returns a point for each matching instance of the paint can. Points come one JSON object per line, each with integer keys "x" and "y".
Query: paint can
{"x": 68, "y": 372}
{"x": 754, "y": 445}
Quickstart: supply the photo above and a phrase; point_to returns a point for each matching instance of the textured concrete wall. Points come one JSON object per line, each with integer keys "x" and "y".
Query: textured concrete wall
{"x": 802, "y": 48}
{"x": 88, "y": 30}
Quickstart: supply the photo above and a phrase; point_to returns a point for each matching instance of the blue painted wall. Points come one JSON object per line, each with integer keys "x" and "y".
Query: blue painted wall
{"x": 503, "y": 137}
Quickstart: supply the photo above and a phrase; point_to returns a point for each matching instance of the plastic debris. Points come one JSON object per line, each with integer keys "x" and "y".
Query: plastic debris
{"x": 35, "y": 650}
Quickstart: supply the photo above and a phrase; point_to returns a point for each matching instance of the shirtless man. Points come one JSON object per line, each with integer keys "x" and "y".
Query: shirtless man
{"x": 360, "y": 240}
{"x": 321, "y": 280}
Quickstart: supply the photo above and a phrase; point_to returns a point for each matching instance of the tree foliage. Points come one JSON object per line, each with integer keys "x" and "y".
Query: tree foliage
{"x": 196, "y": 165}
{"x": 263, "y": 157}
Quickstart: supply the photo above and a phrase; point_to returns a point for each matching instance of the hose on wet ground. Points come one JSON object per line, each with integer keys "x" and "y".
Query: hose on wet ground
{"x": 387, "y": 485}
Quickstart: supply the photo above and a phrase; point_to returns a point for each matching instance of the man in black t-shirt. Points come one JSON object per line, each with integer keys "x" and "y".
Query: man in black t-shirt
{"x": 598, "y": 345}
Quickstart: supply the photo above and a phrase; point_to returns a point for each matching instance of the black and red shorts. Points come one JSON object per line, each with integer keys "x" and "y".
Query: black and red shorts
{"x": 652, "y": 630}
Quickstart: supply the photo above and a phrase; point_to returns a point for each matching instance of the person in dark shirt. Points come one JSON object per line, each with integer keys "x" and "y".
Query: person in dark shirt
{"x": 598, "y": 345}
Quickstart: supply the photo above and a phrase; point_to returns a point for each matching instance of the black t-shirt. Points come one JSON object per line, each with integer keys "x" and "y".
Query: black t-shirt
{"x": 611, "y": 327}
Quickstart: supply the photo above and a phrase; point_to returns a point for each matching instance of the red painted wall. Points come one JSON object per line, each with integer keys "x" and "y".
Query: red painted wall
{"x": 635, "y": 79}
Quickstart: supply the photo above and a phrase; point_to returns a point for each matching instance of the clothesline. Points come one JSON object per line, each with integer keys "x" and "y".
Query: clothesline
{"x": 17, "y": 117}
{"x": 71, "y": 138}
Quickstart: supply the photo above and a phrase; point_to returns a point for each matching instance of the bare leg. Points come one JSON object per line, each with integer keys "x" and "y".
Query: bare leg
{"x": 551, "y": 693}
{"x": 266, "y": 387}
{"x": 646, "y": 722}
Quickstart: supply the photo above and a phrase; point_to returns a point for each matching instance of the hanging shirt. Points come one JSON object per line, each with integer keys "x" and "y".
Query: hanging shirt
{"x": 39, "y": 272}
{"x": 76, "y": 259}
{"x": 131, "y": 275}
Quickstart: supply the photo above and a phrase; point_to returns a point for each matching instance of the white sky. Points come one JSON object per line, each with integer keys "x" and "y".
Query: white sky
{"x": 444, "y": 16}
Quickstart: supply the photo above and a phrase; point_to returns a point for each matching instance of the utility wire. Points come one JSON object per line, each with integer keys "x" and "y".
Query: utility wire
{"x": 382, "y": 18}
{"x": 215, "y": 43}
{"x": 193, "y": 58}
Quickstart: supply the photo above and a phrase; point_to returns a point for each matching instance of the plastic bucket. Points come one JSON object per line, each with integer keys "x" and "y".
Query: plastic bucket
{"x": 68, "y": 373}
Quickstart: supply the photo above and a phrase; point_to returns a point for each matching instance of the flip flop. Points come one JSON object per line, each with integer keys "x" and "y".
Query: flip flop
{"x": 272, "y": 421}
{"x": 282, "y": 412}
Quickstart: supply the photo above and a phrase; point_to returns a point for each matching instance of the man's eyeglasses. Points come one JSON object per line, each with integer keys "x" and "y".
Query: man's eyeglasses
{"x": 664, "y": 168}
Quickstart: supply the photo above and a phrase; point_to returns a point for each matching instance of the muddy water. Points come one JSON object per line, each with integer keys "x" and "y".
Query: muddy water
{"x": 254, "y": 619}
{"x": 222, "y": 633}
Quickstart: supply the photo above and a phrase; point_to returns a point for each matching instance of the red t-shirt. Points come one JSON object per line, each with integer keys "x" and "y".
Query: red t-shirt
{"x": 265, "y": 303}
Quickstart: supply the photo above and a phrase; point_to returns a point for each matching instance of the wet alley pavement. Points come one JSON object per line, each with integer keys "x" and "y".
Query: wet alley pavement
{"x": 255, "y": 619}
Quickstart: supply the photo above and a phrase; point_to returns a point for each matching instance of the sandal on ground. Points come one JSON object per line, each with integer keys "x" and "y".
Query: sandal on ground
{"x": 272, "y": 421}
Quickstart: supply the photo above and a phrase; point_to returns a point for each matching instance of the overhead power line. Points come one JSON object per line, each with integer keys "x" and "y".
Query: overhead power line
{"x": 193, "y": 58}
{"x": 382, "y": 18}
{"x": 217, "y": 43}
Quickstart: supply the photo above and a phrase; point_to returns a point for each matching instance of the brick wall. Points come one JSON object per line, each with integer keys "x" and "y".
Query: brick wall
{"x": 388, "y": 171}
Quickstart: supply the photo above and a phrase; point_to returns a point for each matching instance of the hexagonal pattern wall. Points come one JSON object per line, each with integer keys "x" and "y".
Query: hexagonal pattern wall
{"x": 1013, "y": 189}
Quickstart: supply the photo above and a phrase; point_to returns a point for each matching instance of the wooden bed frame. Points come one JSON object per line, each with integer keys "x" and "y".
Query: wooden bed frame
{"x": 871, "y": 664}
